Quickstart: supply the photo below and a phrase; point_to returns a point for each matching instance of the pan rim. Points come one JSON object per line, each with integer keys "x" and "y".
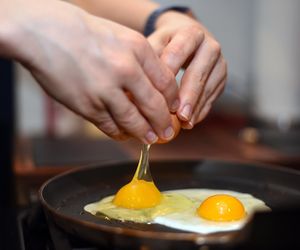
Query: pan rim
{"x": 177, "y": 236}
{"x": 110, "y": 163}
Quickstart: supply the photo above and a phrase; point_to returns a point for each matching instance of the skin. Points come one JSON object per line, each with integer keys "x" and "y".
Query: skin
{"x": 110, "y": 74}
{"x": 92, "y": 66}
{"x": 131, "y": 13}
{"x": 181, "y": 42}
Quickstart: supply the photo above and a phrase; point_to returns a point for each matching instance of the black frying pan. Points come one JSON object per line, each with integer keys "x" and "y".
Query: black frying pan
{"x": 63, "y": 198}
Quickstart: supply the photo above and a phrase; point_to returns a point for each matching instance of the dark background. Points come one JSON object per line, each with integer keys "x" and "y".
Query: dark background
{"x": 8, "y": 236}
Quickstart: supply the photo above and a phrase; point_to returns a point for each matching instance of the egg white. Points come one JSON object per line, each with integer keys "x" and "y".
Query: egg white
{"x": 179, "y": 211}
{"x": 188, "y": 220}
{"x": 170, "y": 203}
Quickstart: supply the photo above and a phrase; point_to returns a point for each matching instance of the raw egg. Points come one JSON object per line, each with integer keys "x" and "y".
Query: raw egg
{"x": 138, "y": 194}
{"x": 179, "y": 209}
{"x": 169, "y": 203}
{"x": 221, "y": 207}
{"x": 141, "y": 191}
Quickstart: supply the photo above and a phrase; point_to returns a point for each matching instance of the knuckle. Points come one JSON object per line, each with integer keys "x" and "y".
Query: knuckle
{"x": 203, "y": 76}
{"x": 128, "y": 72}
{"x": 89, "y": 112}
{"x": 196, "y": 30}
{"x": 127, "y": 117}
{"x": 199, "y": 34}
{"x": 124, "y": 68}
{"x": 200, "y": 77}
{"x": 137, "y": 41}
{"x": 193, "y": 32}
{"x": 176, "y": 50}
{"x": 108, "y": 127}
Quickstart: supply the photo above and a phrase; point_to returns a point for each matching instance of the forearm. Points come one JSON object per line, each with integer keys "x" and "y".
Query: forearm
{"x": 18, "y": 21}
{"x": 20, "y": 36}
{"x": 131, "y": 13}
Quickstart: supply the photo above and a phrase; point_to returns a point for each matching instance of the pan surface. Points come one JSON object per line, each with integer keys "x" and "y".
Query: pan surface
{"x": 63, "y": 198}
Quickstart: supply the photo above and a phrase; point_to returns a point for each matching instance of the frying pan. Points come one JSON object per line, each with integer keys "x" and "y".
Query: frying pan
{"x": 63, "y": 198}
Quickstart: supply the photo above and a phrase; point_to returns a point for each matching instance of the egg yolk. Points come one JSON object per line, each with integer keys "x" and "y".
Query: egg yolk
{"x": 221, "y": 207}
{"x": 138, "y": 194}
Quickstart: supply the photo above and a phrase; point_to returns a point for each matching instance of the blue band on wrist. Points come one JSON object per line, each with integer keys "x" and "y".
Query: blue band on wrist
{"x": 150, "y": 24}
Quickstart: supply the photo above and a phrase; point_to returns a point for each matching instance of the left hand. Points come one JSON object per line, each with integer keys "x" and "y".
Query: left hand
{"x": 182, "y": 41}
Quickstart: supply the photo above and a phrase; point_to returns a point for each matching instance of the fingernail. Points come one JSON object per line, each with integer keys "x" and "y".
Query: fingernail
{"x": 186, "y": 111}
{"x": 188, "y": 125}
{"x": 175, "y": 105}
{"x": 151, "y": 137}
{"x": 169, "y": 132}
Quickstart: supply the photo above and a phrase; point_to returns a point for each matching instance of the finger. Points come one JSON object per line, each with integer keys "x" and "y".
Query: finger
{"x": 150, "y": 103}
{"x": 159, "y": 75}
{"x": 158, "y": 41}
{"x": 128, "y": 117}
{"x": 96, "y": 113}
{"x": 184, "y": 43}
{"x": 207, "y": 107}
{"x": 107, "y": 125}
{"x": 216, "y": 77}
{"x": 195, "y": 76}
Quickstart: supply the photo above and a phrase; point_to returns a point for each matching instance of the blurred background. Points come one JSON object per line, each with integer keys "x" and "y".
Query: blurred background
{"x": 256, "y": 120}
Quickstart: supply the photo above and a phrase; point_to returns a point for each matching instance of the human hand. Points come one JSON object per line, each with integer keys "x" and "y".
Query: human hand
{"x": 181, "y": 41}
{"x": 101, "y": 70}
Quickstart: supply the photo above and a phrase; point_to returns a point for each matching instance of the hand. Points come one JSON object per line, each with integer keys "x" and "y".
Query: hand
{"x": 103, "y": 71}
{"x": 181, "y": 41}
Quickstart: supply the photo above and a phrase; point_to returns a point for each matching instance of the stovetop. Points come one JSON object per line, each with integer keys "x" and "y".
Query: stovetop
{"x": 35, "y": 234}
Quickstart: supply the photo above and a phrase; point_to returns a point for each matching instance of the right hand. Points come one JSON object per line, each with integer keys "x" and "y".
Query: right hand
{"x": 101, "y": 70}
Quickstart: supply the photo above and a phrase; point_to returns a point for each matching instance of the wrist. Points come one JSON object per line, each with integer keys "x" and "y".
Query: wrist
{"x": 158, "y": 17}
{"x": 172, "y": 17}
{"x": 144, "y": 8}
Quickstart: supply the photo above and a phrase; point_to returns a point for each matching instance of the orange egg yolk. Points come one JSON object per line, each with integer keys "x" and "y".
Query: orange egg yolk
{"x": 221, "y": 207}
{"x": 138, "y": 194}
